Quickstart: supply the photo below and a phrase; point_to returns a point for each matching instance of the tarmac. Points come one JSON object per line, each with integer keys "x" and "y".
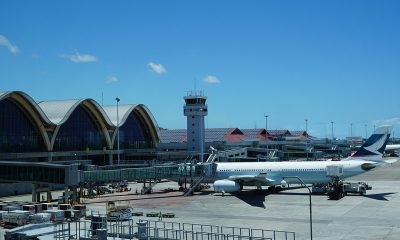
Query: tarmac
{"x": 374, "y": 216}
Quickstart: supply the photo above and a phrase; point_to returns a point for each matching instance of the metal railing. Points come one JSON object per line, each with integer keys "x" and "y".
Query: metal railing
{"x": 148, "y": 229}
{"x": 188, "y": 231}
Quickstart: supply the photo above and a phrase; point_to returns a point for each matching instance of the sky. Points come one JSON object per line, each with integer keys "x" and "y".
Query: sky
{"x": 324, "y": 61}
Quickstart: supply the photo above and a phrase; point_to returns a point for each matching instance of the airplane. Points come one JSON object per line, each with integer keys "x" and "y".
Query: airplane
{"x": 392, "y": 147}
{"x": 231, "y": 177}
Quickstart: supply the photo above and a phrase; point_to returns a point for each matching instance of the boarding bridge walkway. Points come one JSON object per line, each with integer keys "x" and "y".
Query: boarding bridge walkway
{"x": 208, "y": 170}
{"x": 39, "y": 173}
{"x": 70, "y": 175}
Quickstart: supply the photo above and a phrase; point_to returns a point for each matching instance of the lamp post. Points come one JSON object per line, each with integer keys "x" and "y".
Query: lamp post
{"x": 307, "y": 138}
{"x": 332, "y": 131}
{"x": 283, "y": 183}
{"x": 117, "y": 99}
{"x": 266, "y": 136}
{"x": 351, "y": 129}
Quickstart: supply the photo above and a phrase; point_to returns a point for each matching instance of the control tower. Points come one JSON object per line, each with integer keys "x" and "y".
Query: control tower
{"x": 195, "y": 109}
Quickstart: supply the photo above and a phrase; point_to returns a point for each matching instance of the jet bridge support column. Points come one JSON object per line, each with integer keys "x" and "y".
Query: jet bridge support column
{"x": 66, "y": 194}
{"x": 34, "y": 192}
{"x": 49, "y": 197}
{"x": 37, "y": 189}
{"x": 110, "y": 159}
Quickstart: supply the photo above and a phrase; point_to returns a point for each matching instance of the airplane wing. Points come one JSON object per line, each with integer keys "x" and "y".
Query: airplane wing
{"x": 261, "y": 178}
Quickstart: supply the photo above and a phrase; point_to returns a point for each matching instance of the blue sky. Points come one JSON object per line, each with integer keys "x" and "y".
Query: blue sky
{"x": 321, "y": 60}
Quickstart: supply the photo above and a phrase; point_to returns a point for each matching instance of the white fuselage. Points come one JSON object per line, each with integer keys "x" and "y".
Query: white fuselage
{"x": 392, "y": 147}
{"x": 310, "y": 171}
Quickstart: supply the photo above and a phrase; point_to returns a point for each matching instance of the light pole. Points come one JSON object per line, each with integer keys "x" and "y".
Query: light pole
{"x": 283, "y": 183}
{"x": 351, "y": 130}
{"x": 117, "y": 99}
{"x": 307, "y": 138}
{"x": 266, "y": 136}
{"x": 306, "y": 125}
{"x": 332, "y": 131}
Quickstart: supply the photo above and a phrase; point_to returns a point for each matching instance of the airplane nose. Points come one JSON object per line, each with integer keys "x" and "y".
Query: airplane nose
{"x": 367, "y": 166}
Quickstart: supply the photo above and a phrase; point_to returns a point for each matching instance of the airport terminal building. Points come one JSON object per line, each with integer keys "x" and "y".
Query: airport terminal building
{"x": 77, "y": 129}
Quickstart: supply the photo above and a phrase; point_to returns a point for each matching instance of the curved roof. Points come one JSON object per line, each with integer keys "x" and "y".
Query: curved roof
{"x": 33, "y": 110}
{"x": 23, "y": 97}
{"x": 123, "y": 114}
{"x": 3, "y": 93}
{"x": 58, "y": 111}
{"x": 52, "y": 114}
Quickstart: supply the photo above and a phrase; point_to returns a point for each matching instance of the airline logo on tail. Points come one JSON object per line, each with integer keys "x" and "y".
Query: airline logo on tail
{"x": 375, "y": 145}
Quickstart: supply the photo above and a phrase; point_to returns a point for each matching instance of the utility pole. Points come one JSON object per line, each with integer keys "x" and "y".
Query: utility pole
{"x": 307, "y": 138}
{"x": 117, "y": 99}
{"x": 266, "y": 136}
{"x": 351, "y": 129}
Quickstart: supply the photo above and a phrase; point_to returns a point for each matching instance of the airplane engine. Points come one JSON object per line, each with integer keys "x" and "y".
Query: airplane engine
{"x": 227, "y": 186}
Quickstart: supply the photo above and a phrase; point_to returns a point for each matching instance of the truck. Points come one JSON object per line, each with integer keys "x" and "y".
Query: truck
{"x": 118, "y": 213}
{"x": 356, "y": 187}
{"x": 338, "y": 189}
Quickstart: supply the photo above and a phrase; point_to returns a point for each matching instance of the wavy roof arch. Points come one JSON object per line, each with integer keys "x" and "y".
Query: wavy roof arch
{"x": 50, "y": 115}
{"x": 33, "y": 110}
{"x": 125, "y": 110}
{"x": 59, "y": 112}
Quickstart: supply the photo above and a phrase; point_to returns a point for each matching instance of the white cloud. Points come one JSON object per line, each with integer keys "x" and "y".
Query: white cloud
{"x": 211, "y": 79}
{"x": 11, "y": 47}
{"x": 157, "y": 68}
{"x": 390, "y": 121}
{"x": 112, "y": 79}
{"x": 80, "y": 58}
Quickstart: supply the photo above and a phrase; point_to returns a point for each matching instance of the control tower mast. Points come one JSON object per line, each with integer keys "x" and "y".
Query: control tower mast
{"x": 195, "y": 109}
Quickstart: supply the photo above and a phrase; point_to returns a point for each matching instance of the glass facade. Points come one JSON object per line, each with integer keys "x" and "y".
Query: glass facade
{"x": 134, "y": 134}
{"x": 17, "y": 132}
{"x": 33, "y": 174}
{"x": 79, "y": 133}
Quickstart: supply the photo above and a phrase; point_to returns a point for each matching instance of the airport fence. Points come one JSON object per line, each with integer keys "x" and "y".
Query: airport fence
{"x": 152, "y": 230}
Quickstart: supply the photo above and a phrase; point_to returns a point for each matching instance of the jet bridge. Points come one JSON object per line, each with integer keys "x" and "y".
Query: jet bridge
{"x": 157, "y": 172}
{"x": 70, "y": 175}
{"x": 39, "y": 173}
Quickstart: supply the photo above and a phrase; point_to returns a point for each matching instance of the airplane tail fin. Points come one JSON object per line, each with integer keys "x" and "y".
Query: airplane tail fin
{"x": 374, "y": 147}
